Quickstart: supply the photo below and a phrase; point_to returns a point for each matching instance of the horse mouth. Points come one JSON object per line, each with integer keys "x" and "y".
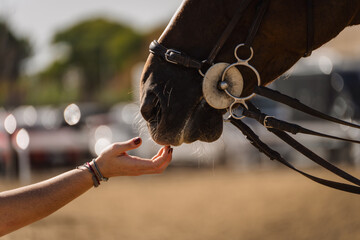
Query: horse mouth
{"x": 162, "y": 130}
{"x": 170, "y": 128}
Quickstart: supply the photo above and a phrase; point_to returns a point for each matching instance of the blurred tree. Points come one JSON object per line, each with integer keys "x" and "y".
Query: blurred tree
{"x": 99, "y": 49}
{"x": 13, "y": 51}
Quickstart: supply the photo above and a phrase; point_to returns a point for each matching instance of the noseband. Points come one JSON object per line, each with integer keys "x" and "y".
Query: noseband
{"x": 223, "y": 85}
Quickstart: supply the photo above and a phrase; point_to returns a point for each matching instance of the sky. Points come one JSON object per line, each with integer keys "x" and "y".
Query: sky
{"x": 38, "y": 20}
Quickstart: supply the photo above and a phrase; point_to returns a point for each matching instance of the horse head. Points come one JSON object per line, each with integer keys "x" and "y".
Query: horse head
{"x": 172, "y": 99}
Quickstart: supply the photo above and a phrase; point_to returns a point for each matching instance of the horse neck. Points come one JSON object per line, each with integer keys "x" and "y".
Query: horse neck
{"x": 331, "y": 18}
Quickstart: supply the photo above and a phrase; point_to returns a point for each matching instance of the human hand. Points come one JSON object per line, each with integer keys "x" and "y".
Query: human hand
{"x": 114, "y": 161}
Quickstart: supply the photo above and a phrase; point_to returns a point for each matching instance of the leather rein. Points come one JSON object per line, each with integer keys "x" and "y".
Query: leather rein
{"x": 277, "y": 127}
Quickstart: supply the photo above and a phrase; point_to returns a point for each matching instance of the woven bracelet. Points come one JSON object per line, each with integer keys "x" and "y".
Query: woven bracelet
{"x": 93, "y": 172}
{"x": 87, "y": 166}
{"x": 98, "y": 173}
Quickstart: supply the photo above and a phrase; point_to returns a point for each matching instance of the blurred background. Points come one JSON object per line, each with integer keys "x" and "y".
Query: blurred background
{"x": 69, "y": 73}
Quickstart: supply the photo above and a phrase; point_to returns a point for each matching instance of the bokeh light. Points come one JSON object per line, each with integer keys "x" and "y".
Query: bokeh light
{"x": 337, "y": 82}
{"x": 103, "y": 136}
{"x": 10, "y": 124}
{"x": 325, "y": 65}
{"x": 30, "y": 116}
{"x": 72, "y": 114}
{"x": 50, "y": 118}
{"x": 103, "y": 131}
{"x": 101, "y": 144}
{"x": 22, "y": 139}
{"x": 129, "y": 112}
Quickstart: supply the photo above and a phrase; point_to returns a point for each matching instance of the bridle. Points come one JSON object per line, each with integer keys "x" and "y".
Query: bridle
{"x": 177, "y": 57}
{"x": 226, "y": 98}
{"x": 222, "y": 88}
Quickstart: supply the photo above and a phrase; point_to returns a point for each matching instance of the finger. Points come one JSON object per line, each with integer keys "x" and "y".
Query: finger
{"x": 160, "y": 152}
{"x": 121, "y": 147}
{"x": 164, "y": 160}
{"x": 165, "y": 164}
{"x": 159, "y": 166}
{"x": 153, "y": 167}
{"x": 146, "y": 165}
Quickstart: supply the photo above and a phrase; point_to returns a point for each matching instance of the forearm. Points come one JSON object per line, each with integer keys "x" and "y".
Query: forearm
{"x": 28, "y": 204}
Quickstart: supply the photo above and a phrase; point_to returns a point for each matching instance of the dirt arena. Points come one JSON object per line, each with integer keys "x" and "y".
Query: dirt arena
{"x": 204, "y": 204}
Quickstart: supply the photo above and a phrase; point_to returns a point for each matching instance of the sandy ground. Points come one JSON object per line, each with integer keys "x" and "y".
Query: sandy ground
{"x": 204, "y": 204}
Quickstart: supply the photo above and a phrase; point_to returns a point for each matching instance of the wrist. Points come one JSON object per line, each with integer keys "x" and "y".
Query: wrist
{"x": 98, "y": 171}
{"x": 86, "y": 167}
{"x": 93, "y": 168}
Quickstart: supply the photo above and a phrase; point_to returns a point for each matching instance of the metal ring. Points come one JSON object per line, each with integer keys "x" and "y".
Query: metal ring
{"x": 265, "y": 121}
{"x": 246, "y": 65}
{"x": 199, "y": 70}
{"x": 243, "y": 60}
{"x": 231, "y": 109}
{"x": 201, "y": 73}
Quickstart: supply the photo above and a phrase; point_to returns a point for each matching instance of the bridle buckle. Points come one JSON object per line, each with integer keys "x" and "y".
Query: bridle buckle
{"x": 170, "y": 56}
{"x": 265, "y": 122}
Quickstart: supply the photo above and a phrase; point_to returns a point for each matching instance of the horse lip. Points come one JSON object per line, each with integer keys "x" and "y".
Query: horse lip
{"x": 188, "y": 120}
{"x": 178, "y": 138}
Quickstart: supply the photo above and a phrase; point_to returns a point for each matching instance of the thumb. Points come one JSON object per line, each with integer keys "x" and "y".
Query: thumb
{"x": 128, "y": 145}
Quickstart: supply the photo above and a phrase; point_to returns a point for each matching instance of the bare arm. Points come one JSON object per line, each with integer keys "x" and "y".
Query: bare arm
{"x": 25, "y": 205}
{"x": 28, "y": 204}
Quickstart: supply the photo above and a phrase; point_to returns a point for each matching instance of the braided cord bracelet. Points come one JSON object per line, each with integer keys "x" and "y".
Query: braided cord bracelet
{"x": 97, "y": 177}
{"x": 98, "y": 173}
{"x": 87, "y": 166}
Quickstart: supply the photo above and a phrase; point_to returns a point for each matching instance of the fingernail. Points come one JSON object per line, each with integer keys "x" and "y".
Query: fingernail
{"x": 137, "y": 140}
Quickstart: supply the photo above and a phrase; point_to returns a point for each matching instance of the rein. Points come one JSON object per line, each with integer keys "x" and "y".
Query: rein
{"x": 223, "y": 85}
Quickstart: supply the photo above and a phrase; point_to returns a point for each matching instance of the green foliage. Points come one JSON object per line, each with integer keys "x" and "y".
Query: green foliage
{"x": 13, "y": 51}
{"x": 100, "y": 49}
{"x": 96, "y": 66}
{"x": 54, "y": 71}
{"x": 110, "y": 96}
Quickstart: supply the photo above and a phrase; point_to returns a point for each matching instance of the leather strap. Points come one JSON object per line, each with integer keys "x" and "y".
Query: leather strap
{"x": 274, "y": 155}
{"x": 173, "y": 56}
{"x": 296, "y": 104}
{"x": 309, "y": 28}
{"x": 314, "y": 157}
{"x": 272, "y": 122}
{"x": 177, "y": 57}
{"x": 305, "y": 151}
{"x": 228, "y": 30}
{"x": 262, "y": 8}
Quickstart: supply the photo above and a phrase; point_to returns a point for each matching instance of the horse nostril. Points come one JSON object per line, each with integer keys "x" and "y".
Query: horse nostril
{"x": 151, "y": 108}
